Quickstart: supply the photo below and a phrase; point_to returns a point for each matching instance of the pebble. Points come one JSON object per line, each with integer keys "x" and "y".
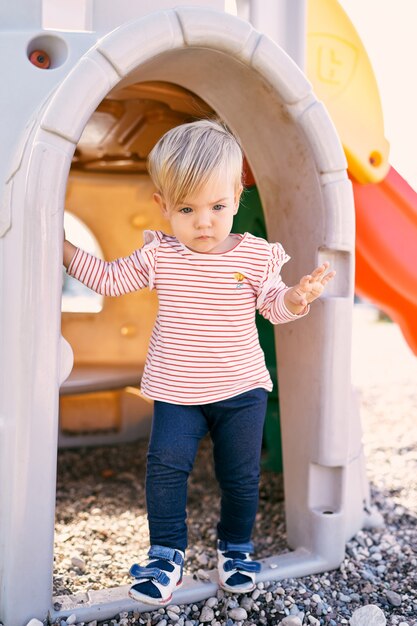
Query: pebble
{"x": 203, "y": 559}
{"x": 174, "y": 617}
{"x": 71, "y": 619}
{"x": 238, "y": 614}
{"x": 393, "y": 598}
{"x": 34, "y": 622}
{"x": 369, "y": 615}
{"x": 79, "y": 563}
{"x": 207, "y": 614}
{"x": 344, "y": 598}
{"x": 291, "y": 621}
{"x": 246, "y": 603}
{"x": 203, "y": 575}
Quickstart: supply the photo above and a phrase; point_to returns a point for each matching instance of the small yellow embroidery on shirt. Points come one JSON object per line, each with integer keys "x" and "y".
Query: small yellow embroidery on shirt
{"x": 240, "y": 278}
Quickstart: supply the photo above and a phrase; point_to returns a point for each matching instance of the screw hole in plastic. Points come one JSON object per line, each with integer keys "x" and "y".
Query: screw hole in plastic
{"x": 47, "y": 52}
{"x": 375, "y": 158}
{"x": 40, "y": 58}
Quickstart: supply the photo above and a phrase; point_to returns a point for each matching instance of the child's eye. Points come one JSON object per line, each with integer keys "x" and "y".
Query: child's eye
{"x": 218, "y": 207}
{"x": 186, "y": 209}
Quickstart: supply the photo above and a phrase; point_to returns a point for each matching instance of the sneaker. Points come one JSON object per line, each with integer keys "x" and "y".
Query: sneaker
{"x": 156, "y": 581}
{"x": 236, "y": 568}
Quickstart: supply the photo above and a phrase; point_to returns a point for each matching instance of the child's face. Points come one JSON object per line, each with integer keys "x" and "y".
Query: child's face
{"x": 203, "y": 221}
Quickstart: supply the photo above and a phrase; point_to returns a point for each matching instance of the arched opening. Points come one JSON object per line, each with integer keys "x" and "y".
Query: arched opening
{"x": 285, "y": 169}
{"x": 109, "y": 189}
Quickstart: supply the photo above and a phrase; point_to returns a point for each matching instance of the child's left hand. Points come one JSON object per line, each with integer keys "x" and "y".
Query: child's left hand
{"x": 309, "y": 288}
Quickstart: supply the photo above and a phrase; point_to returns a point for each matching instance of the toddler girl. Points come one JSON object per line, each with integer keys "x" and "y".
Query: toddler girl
{"x": 205, "y": 369}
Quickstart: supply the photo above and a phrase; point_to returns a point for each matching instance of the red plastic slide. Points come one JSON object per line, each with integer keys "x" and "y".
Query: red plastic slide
{"x": 386, "y": 249}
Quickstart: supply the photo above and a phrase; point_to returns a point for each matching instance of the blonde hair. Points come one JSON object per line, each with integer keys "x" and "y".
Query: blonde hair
{"x": 187, "y": 156}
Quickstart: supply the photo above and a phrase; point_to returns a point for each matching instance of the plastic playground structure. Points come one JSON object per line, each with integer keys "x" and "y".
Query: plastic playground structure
{"x": 70, "y": 90}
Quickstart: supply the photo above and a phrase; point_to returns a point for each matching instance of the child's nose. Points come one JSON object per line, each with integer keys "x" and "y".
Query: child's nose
{"x": 203, "y": 219}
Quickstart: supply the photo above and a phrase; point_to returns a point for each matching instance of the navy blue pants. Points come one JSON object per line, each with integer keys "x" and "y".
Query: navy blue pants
{"x": 236, "y": 427}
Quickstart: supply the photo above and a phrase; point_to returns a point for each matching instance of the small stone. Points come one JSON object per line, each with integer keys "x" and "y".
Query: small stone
{"x": 207, "y": 614}
{"x": 393, "y": 598}
{"x": 71, "y": 619}
{"x": 256, "y": 594}
{"x": 34, "y": 622}
{"x": 232, "y": 603}
{"x": 367, "y": 615}
{"x": 246, "y": 603}
{"x": 238, "y": 614}
{"x": 313, "y": 620}
{"x": 203, "y": 575}
{"x": 316, "y": 598}
{"x": 174, "y": 617}
{"x": 268, "y": 597}
{"x": 163, "y": 622}
{"x": 203, "y": 559}
{"x": 344, "y": 598}
{"x": 291, "y": 620}
{"x": 174, "y": 608}
{"x": 92, "y": 623}
{"x": 212, "y": 602}
{"x": 76, "y": 561}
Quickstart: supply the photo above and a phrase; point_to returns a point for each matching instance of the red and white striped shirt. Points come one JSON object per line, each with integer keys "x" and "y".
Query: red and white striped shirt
{"x": 204, "y": 345}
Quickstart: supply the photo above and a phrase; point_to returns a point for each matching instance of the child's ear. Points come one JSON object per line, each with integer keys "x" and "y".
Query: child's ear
{"x": 161, "y": 203}
{"x": 238, "y": 194}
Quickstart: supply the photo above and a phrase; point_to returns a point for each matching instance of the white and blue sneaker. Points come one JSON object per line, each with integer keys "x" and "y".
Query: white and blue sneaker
{"x": 235, "y": 567}
{"x": 156, "y": 581}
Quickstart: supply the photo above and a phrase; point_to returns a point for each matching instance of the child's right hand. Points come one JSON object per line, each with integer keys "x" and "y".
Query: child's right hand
{"x": 308, "y": 289}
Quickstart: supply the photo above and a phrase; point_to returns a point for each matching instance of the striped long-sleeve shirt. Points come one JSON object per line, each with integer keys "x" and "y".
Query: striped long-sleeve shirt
{"x": 204, "y": 345}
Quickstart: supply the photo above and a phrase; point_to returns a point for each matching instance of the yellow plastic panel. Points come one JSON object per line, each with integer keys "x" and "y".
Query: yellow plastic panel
{"x": 342, "y": 76}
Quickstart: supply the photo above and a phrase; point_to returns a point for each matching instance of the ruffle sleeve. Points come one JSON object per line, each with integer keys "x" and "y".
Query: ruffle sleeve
{"x": 272, "y": 275}
{"x": 152, "y": 240}
{"x": 270, "y": 300}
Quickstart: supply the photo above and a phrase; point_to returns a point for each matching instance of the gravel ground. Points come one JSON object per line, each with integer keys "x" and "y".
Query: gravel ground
{"x": 101, "y": 523}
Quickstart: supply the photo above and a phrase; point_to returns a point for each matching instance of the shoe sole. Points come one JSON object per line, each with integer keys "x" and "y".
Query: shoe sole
{"x": 141, "y": 597}
{"x": 237, "y": 589}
